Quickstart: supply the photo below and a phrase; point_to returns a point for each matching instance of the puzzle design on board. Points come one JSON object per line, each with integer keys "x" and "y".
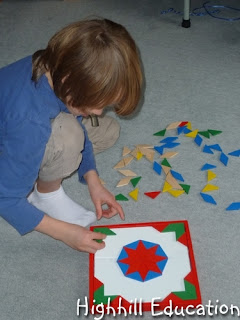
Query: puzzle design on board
{"x": 174, "y": 183}
{"x": 145, "y": 261}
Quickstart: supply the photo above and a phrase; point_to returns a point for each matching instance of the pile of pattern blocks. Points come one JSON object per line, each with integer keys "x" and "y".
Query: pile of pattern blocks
{"x": 174, "y": 181}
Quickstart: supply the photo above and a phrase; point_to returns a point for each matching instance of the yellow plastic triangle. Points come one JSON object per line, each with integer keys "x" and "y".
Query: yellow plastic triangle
{"x": 189, "y": 125}
{"x": 166, "y": 187}
{"x": 139, "y": 155}
{"x": 192, "y": 134}
{"x": 176, "y": 193}
{"x": 134, "y": 194}
{"x": 211, "y": 175}
{"x": 210, "y": 187}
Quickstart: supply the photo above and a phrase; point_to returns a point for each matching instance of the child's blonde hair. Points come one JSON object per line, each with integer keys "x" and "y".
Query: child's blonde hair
{"x": 94, "y": 63}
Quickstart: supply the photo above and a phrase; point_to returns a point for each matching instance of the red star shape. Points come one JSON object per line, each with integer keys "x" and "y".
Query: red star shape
{"x": 142, "y": 260}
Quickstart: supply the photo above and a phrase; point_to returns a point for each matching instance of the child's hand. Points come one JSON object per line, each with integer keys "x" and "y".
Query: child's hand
{"x": 74, "y": 236}
{"x": 82, "y": 239}
{"x": 100, "y": 196}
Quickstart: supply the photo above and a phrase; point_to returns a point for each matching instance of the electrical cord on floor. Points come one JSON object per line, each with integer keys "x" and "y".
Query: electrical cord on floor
{"x": 211, "y": 10}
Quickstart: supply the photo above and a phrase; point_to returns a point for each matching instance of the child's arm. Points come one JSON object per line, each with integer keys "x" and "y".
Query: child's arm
{"x": 72, "y": 235}
{"x": 101, "y": 195}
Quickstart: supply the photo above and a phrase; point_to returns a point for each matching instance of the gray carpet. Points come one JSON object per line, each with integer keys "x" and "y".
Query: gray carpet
{"x": 191, "y": 74}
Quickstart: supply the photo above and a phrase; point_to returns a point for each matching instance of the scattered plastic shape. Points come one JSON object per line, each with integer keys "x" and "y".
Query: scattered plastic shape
{"x": 121, "y": 197}
{"x": 183, "y": 123}
{"x": 206, "y": 149}
{"x": 159, "y": 149}
{"x": 123, "y": 182}
{"x": 192, "y": 134}
{"x": 185, "y": 187}
{"x": 180, "y": 130}
{"x": 120, "y": 164}
{"x": 214, "y": 132}
{"x": 169, "y": 139}
{"x": 166, "y": 169}
{"x": 234, "y": 206}
{"x": 150, "y": 155}
{"x": 211, "y": 175}
{"x": 169, "y": 154}
{"x": 171, "y": 145}
{"x": 157, "y": 167}
{"x": 160, "y": 133}
{"x": 144, "y": 146}
{"x": 208, "y": 198}
{"x": 152, "y": 194}
{"x": 134, "y": 153}
{"x": 173, "y": 182}
{"x": 176, "y": 193}
{"x": 235, "y": 153}
{"x": 128, "y": 173}
{"x": 128, "y": 160}
{"x": 139, "y": 155}
{"x": 198, "y": 140}
{"x": 126, "y": 151}
{"x": 166, "y": 187}
{"x": 177, "y": 175}
{"x": 173, "y": 125}
{"x": 208, "y": 166}
{"x": 210, "y": 187}
{"x": 224, "y": 158}
{"x": 189, "y": 125}
{"x": 206, "y": 134}
{"x": 134, "y": 194}
{"x": 165, "y": 163}
{"x": 186, "y": 130}
{"x": 135, "y": 181}
{"x": 215, "y": 147}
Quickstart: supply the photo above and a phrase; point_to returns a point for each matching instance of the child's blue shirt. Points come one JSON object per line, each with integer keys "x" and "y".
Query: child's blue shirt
{"x": 26, "y": 110}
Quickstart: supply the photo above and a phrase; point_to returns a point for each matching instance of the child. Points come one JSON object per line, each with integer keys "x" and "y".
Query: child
{"x": 45, "y": 133}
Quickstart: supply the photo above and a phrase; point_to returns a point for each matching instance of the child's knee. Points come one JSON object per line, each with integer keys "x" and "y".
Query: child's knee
{"x": 69, "y": 132}
{"x": 63, "y": 150}
{"x": 105, "y": 135}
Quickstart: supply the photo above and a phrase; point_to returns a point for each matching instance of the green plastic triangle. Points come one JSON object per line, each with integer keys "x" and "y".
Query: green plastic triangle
{"x": 206, "y": 134}
{"x": 166, "y": 163}
{"x": 214, "y": 132}
{"x": 160, "y": 133}
{"x": 178, "y": 228}
{"x": 106, "y": 231}
{"x": 135, "y": 181}
{"x": 99, "y": 296}
{"x": 185, "y": 187}
{"x": 189, "y": 293}
{"x": 121, "y": 197}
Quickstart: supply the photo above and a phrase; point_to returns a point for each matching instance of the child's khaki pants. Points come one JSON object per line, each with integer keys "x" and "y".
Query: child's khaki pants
{"x": 63, "y": 150}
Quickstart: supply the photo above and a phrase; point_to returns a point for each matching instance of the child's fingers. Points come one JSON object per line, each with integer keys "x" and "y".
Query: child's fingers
{"x": 115, "y": 208}
{"x": 98, "y": 210}
{"x": 98, "y": 236}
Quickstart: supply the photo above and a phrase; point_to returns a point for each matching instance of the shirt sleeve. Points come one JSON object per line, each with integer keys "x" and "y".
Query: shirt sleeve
{"x": 22, "y": 146}
{"x": 88, "y": 160}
